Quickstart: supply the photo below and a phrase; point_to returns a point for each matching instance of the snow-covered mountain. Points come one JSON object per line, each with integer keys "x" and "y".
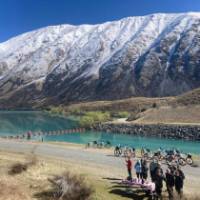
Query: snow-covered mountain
{"x": 154, "y": 55}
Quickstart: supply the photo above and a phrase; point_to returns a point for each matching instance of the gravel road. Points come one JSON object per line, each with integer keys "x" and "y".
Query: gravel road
{"x": 79, "y": 154}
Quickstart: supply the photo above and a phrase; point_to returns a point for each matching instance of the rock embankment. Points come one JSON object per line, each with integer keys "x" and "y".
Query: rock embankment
{"x": 171, "y": 131}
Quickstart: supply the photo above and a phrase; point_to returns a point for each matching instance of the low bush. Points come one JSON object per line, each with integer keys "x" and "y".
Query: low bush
{"x": 17, "y": 168}
{"x": 91, "y": 118}
{"x": 86, "y": 121}
{"x": 56, "y": 110}
{"x": 122, "y": 114}
{"x": 143, "y": 109}
{"x": 154, "y": 105}
{"x": 71, "y": 187}
{"x": 76, "y": 111}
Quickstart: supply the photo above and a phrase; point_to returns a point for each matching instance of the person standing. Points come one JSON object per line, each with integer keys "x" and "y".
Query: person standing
{"x": 144, "y": 170}
{"x": 158, "y": 179}
{"x": 153, "y": 166}
{"x": 179, "y": 182}
{"x": 138, "y": 169}
{"x": 170, "y": 182}
{"x": 129, "y": 167}
{"x": 180, "y": 171}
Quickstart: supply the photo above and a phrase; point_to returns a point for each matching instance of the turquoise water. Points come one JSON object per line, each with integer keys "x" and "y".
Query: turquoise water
{"x": 19, "y": 122}
{"x": 134, "y": 141}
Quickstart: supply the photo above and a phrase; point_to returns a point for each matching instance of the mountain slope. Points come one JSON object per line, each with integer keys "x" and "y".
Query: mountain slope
{"x": 154, "y": 55}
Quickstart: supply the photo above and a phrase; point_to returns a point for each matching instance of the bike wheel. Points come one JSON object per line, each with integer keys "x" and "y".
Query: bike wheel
{"x": 117, "y": 153}
{"x": 181, "y": 162}
{"x": 189, "y": 161}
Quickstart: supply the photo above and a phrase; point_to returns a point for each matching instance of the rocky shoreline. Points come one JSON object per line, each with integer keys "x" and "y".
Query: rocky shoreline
{"x": 170, "y": 131}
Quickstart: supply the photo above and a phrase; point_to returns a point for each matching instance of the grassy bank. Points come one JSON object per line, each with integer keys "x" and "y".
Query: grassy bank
{"x": 87, "y": 119}
{"x": 33, "y": 183}
{"x": 181, "y": 109}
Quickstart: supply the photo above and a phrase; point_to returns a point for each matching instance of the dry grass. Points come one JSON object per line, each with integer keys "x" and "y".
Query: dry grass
{"x": 169, "y": 114}
{"x": 189, "y": 98}
{"x": 181, "y": 109}
{"x": 71, "y": 187}
{"x": 10, "y": 191}
{"x": 132, "y": 104}
{"x": 19, "y": 167}
{"x": 34, "y": 184}
{"x": 129, "y": 105}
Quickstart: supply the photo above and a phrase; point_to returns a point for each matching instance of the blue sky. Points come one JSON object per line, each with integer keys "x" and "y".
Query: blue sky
{"x": 19, "y": 16}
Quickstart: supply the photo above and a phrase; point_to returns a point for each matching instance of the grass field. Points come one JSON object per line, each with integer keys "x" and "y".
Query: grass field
{"x": 34, "y": 184}
{"x": 170, "y": 115}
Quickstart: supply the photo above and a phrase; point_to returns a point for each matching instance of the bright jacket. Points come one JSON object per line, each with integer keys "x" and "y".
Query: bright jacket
{"x": 138, "y": 167}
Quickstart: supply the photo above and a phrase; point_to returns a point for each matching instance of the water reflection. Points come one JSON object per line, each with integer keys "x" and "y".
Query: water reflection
{"x": 20, "y": 122}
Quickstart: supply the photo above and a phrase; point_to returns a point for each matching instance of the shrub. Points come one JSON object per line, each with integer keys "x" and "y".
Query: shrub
{"x": 91, "y": 118}
{"x": 86, "y": 121}
{"x": 71, "y": 187}
{"x": 56, "y": 110}
{"x": 99, "y": 116}
{"x": 154, "y": 105}
{"x": 17, "y": 168}
{"x": 76, "y": 111}
{"x": 143, "y": 110}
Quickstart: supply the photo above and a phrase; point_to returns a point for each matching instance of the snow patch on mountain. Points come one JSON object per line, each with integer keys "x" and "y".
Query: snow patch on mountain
{"x": 80, "y": 52}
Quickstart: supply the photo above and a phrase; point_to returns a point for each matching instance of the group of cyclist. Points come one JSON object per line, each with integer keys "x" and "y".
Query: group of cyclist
{"x": 169, "y": 156}
{"x": 173, "y": 177}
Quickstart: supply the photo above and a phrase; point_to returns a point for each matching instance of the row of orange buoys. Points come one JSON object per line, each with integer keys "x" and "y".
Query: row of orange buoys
{"x": 30, "y": 134}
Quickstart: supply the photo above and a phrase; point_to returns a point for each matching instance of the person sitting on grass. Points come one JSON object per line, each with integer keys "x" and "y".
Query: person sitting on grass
{"x": 129, "y": 167}
{"x": 138, "y": 169}
{"x": 179, "y": 182}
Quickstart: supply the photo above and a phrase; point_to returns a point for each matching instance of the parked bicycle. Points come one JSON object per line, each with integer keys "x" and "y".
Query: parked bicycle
{"x": 146, "y": 153}
{"x": 124, "y": 151}
{"x": 98, "y": 144}
{"x": 174, "y": 156}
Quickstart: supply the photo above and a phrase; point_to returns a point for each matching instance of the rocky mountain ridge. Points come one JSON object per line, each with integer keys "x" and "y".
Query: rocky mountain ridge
{"x": 155, "y": 55}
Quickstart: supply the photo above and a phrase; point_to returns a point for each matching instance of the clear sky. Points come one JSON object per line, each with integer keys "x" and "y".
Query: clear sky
{"x": 19, "y": 16}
